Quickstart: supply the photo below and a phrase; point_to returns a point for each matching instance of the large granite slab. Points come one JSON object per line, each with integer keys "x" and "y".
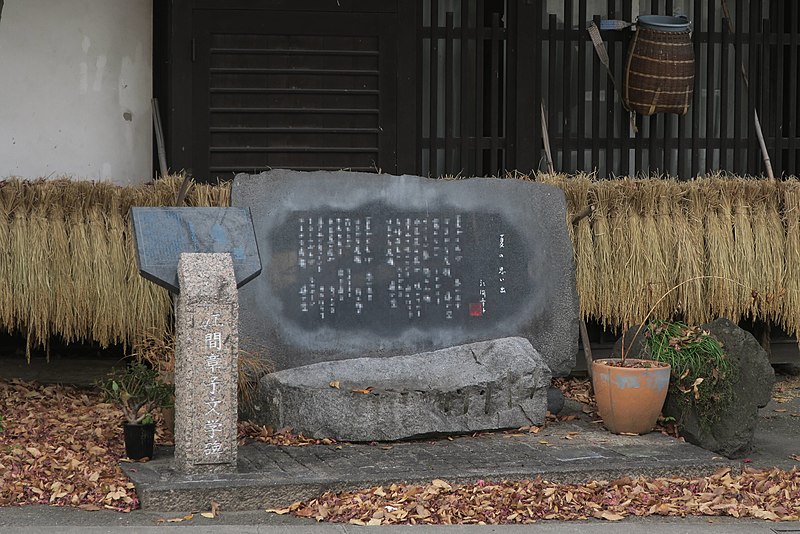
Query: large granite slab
{"x": 366, "y": 265}
{"x": 487, "y": 385}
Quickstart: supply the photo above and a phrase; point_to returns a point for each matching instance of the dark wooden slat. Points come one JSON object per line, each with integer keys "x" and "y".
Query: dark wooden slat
{"x": 484, "y": 142}
{"x": 725, "y": 162}
{"x": 357, "y": 6}
{"x": 434, "y": 92}
{"x": 449, "y": 167}
{"x": 763, "y": 104}
{"x": 710, "y": 81}
{"x": 792, "y": 164}
{"x": 608, "y": 168}
{"x": 304, "y": 72}
{"x": 566, "y": 89}
{"x": 580, "y": 126}
{"x": 626, "y": 166}
{"x": 467, "y": 90}
{"x": 293, "y": 52}
{"x": 479, "y": 89}
{"x": 201, "y": 99}
{"x": 292, "y": 130}
{"x": 294, "y": 149}
{"x": 672, "y": 143}
{"x": 694, "y": 159}
{"x": 337, "y": 111}
{"x": 494, "y": 94}
{"x": 776, "y": 92}
{"x": 752, "y": 156}
{"x": 255, "y": 170}
{"x": 523, "y": 118}
{"x": 292, "y": 91}
{"x": 409, "y": 102}
{"x": 740, "y": 165}
{"x": 420, "y": 36}
{"x": 179, "y": 101}
{"x": 552, "y": 92}
{"x": 537, "y": 24}
{"x": 597, "y": 73}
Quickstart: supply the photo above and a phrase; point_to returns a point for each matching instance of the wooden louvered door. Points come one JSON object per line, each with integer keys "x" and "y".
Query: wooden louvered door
{"x": 279, "y": 89}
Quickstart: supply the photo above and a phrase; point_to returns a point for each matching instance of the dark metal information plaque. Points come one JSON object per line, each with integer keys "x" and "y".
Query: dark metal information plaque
{"x": 162, "y": 234}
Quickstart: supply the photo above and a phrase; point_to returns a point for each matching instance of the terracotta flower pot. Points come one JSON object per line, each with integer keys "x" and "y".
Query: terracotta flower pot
{"x": 630, "y": 398}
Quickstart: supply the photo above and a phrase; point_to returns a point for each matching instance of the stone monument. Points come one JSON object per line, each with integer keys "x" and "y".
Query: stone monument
{"x": 204, "y": 254}
{"x": 206, "y": 364}
{"x": 400, "y": 306}
{"x": 366, "y": 265}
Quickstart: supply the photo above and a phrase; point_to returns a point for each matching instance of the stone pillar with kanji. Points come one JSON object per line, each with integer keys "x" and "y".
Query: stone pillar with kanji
{"x": 206, "y": 362}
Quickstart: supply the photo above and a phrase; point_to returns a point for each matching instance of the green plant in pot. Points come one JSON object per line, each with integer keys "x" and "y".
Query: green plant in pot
{"x": 137, "y": 390}
{"x": 630, "y": 392}
{"x": 702, "y": 376}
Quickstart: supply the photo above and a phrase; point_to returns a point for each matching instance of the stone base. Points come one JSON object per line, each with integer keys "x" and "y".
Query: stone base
{"x": 487, "y": 385}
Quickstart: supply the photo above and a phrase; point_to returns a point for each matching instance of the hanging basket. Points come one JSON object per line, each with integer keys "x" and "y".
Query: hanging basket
{"x": 659, "y": 76}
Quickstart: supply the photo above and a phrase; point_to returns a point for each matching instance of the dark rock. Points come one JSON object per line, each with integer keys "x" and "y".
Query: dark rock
{"x": 732, "y": 434}
{"x": 486, "y": 385}
{"x": 555, "y": 400}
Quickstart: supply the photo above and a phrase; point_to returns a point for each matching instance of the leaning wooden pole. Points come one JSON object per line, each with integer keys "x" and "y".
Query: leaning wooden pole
{"x": 756, "y": 121}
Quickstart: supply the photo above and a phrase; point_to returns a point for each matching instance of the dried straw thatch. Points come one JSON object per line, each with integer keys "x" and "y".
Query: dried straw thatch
{"x": 67, "y": 258}
{"x": 731, "y": 244}
{"x": 67, "y": 262}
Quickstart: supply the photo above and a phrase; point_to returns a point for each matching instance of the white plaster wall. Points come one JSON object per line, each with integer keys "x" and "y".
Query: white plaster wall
{"x": 75, "y": 89}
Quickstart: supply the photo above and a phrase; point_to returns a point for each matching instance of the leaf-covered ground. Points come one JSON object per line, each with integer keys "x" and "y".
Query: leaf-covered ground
{"x": 62, "y": 446}
{"x": 772, "y": 495}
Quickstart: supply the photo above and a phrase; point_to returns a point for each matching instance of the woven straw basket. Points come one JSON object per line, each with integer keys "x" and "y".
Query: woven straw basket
{"x": 659, "y": 77}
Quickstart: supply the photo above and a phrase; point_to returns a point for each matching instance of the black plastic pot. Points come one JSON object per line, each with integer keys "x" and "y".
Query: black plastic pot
{"x": 139, "y": 440}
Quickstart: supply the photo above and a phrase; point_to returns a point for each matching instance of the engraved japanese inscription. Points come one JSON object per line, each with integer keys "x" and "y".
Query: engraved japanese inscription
{"x": 380, "y": 268}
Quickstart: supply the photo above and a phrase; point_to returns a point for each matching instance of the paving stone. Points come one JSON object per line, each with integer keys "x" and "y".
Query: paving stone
{"x": 270, "y": 476}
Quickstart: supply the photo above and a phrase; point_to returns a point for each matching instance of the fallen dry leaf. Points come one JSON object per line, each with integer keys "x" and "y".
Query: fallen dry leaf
{"x": 176, "y": 519}
{"x": 283, "y": 437}
{"x": 334, "y": 384}
{"x": 772, "y": 495}
{"x": 62, "y": 446}
{"x": 609, "y": 516}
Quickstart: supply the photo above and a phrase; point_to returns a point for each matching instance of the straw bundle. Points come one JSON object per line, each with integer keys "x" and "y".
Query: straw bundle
{"x": 688, "y": 213}
{"x": 769, "y": 237}
{"x": 790, "y": 296}
{"x": 67, "y": 260}
{"x": 718, "y": 246}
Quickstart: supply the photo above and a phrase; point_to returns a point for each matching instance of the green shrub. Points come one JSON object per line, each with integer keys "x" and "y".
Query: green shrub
{"x": 137, "y": 389}
{"x": 702, "y": 376}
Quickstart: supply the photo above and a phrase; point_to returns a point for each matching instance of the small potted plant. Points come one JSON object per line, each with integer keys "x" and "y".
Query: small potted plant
{"x": 630, "y": 392}
{"x": 138, "y": 390}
